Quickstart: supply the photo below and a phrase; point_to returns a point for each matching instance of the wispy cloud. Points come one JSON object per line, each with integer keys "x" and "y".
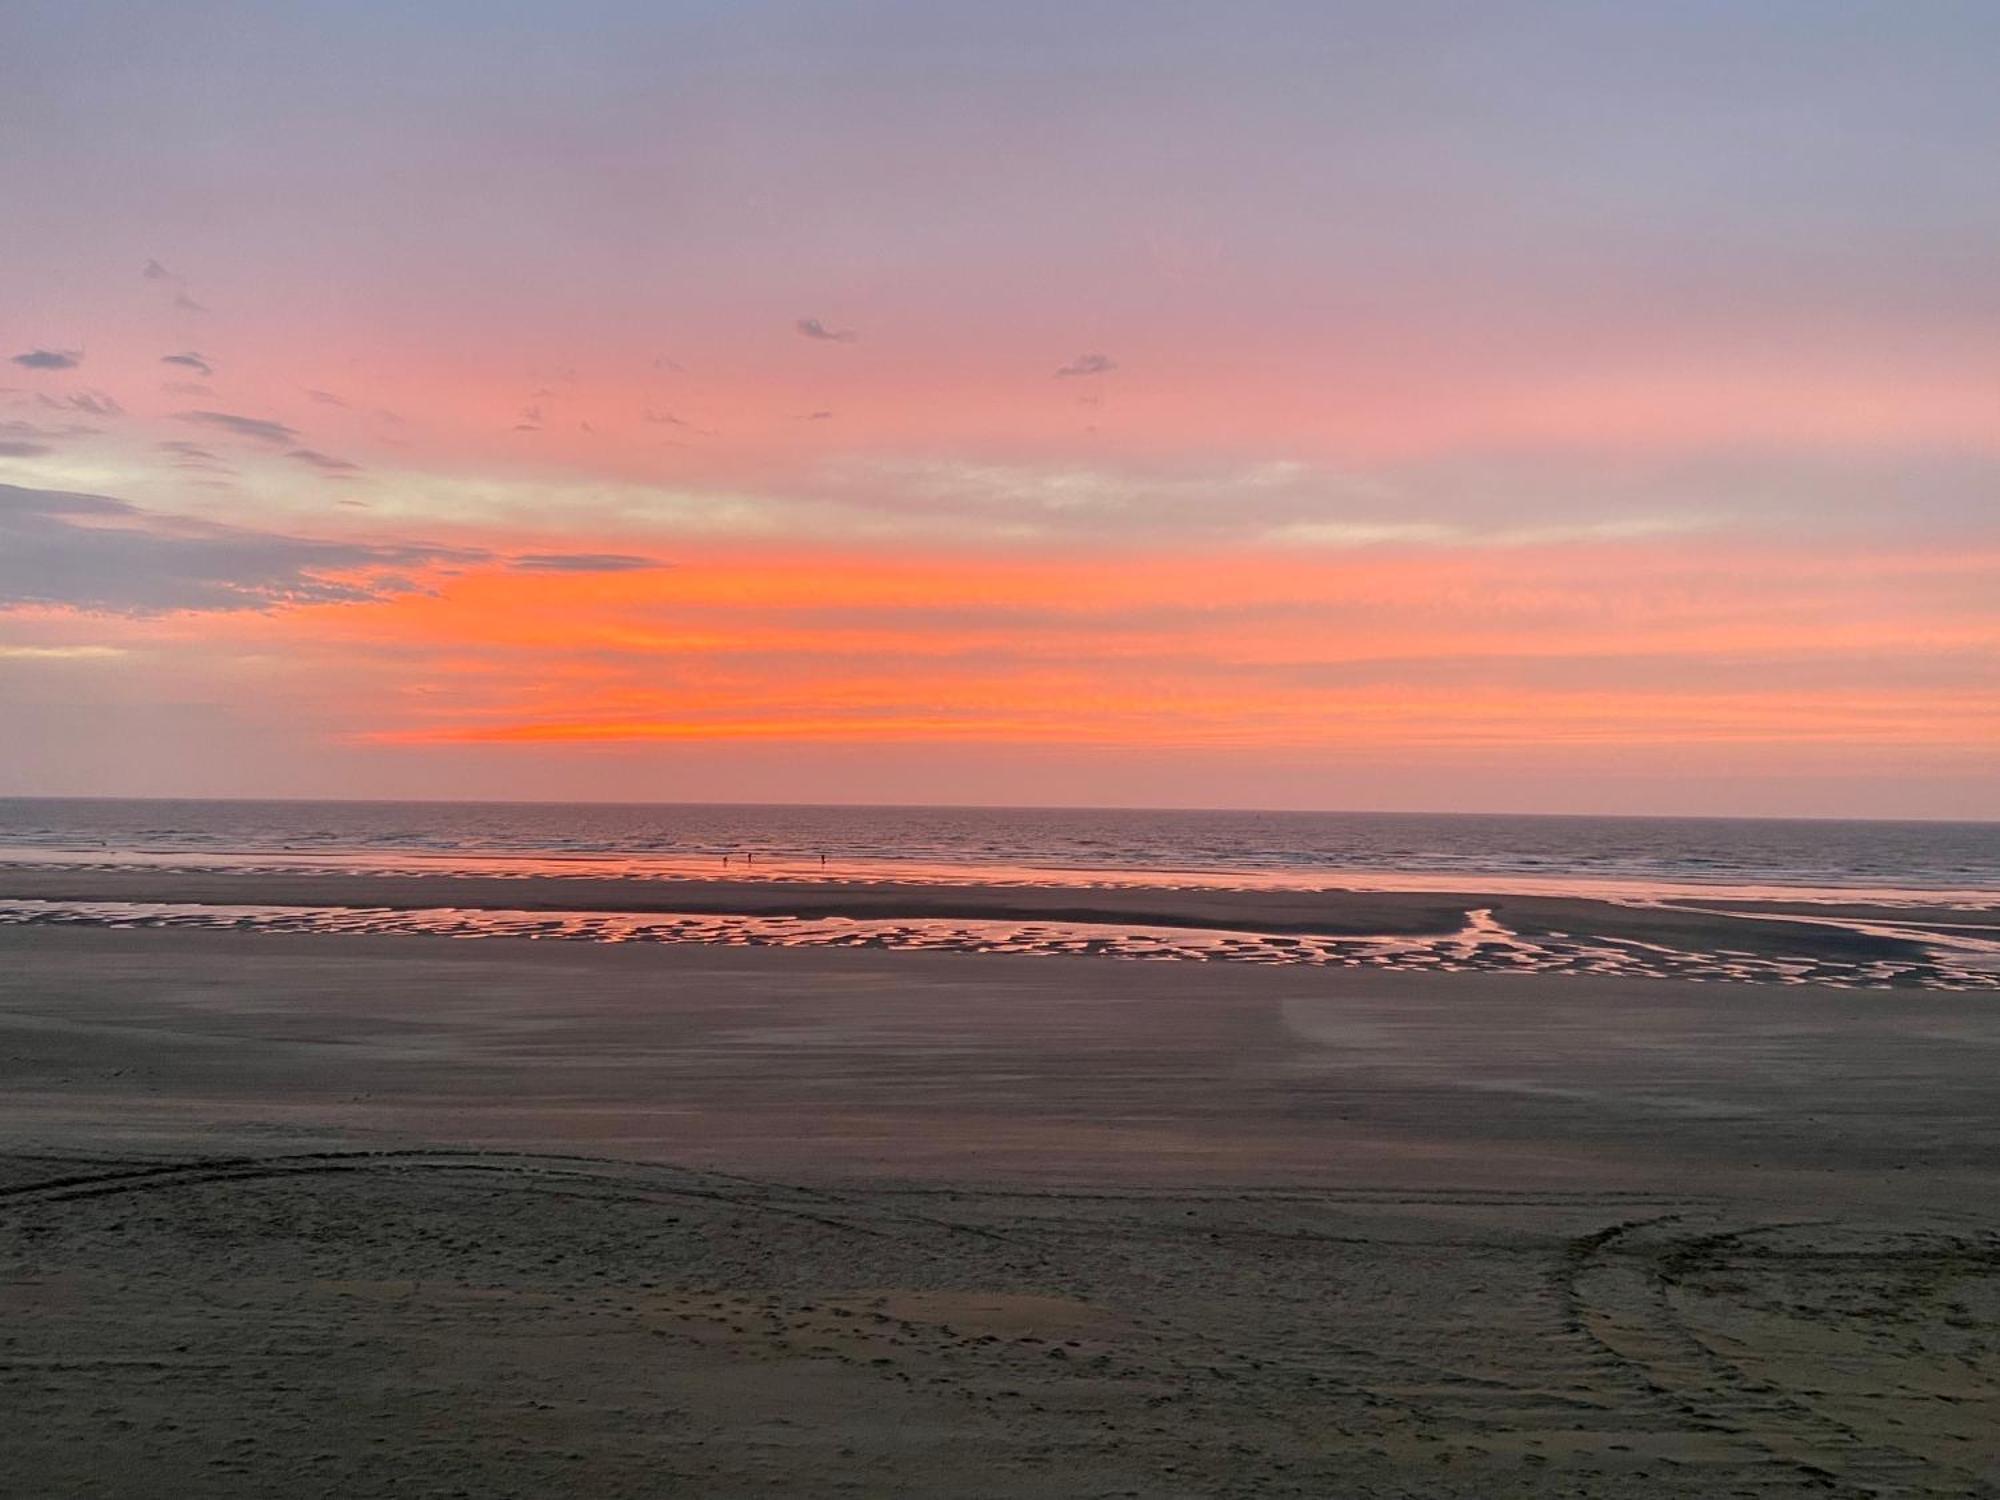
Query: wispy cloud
{"x": 94, "y": 403}
{"x": 49, "y": 359}
{"x": 154, "y": 271}
{"x": 62, "y": 653}
{"x": 1030, "y": 499}
{"x": 191, "y": 360}
{"x": 186, "y": 455}
{"x": 583, "y": 562}
{"x": 35, "y": 431}
{"x": 325, "y": 398}
{"x": 1364, "y": 533}
{"x": 1288, "y": 503}
{"x": 324, "y": 462}
{"x": 9, "y": 448}
{"x": 263, "y": 430}
{"x": 812, "y": 328}
{"x": 1338, "y": 534}
{"x": 1089, "y": 364}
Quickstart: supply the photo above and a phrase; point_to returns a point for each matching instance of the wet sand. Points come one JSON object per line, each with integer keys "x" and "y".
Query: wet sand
{"x": 1849, "y": 944}
{"x": 1333, "y": 912}
{"x": 370, "y": 1215}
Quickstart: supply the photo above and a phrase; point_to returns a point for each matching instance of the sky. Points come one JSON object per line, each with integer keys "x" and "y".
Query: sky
{"x": 1559, "y": 407}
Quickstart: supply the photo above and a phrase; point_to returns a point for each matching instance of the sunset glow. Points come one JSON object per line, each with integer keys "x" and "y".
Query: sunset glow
{"x": 1021, "y": 405}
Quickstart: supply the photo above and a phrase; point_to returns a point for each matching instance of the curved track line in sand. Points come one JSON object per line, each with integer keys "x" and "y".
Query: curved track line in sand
{"x": 1617, "y": 1291}
{"x": 532, "y": 1168}
{"x": 1618, "y": 1287}
{"x": 266, "y": 1168}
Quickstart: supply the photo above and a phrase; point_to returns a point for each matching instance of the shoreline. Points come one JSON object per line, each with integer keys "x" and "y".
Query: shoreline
{"x": 788, "y": 870}
{"x": 1330, "y": 910}
{"x": 1854, "y": 945}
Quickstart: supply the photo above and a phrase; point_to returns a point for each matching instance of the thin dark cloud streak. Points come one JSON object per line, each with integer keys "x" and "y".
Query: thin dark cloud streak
{"x": 583, "y": 562}
{"x": 49, "y": 359}
{"x": 190, "y": 360}
{"x": 259, "y": 428}
{"x": 34, "y": 430}
{"x": 326, "y": 463}
{"x": 813, "y": 328}
{"x": 191, "y": 455}
{"x": 92, "y": 403}
{"x": 1088, "y": 364}
{"x": 154, "y": 271}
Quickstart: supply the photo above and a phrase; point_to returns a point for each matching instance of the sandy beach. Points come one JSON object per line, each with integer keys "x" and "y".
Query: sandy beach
{"x": 800, "y": 749}
{"x": 370, "y": 1215}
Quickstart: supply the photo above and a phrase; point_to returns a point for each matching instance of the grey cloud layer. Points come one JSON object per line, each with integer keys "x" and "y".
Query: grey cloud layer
{"x": 92, "y": 552}
{"x": 49, "y": 359}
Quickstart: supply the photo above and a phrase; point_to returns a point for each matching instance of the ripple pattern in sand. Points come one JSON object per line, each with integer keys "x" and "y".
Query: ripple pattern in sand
{"x": 1483, "y": 944}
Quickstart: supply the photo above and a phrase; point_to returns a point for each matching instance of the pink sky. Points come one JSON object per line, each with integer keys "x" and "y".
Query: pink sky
{"x": 1560, "y": 408}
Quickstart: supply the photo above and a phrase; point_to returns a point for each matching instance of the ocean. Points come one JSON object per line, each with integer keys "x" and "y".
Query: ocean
{"x": 1387, "y": 850}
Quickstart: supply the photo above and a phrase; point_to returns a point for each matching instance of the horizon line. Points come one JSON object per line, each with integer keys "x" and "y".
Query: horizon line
{"x": 1051, "y": 807}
